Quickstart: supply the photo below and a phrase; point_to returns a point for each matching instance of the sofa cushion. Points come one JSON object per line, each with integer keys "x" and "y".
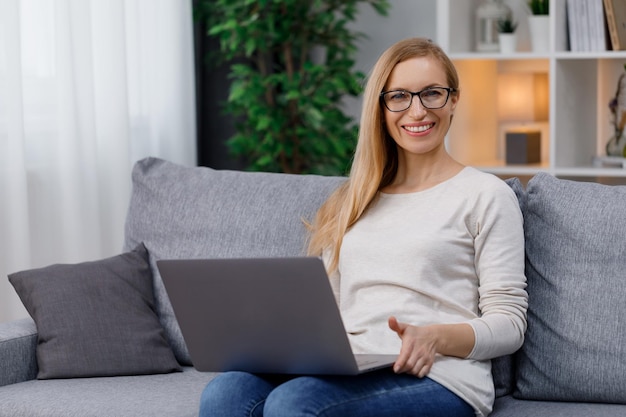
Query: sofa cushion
{"x": 198, "y": 212}
{"x": 575, "y": 348}
{"x": 161, "y": 395}
{"x": 509, "y": 406}
{"x": 95, "y": 318}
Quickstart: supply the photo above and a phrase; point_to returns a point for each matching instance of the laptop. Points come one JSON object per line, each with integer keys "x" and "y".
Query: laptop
{"x": 262, "y": 315}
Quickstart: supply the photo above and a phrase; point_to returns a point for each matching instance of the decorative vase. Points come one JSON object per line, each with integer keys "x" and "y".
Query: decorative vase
{"x": 616, "y": 146}
{"x": 539, "y": 27}
{"x": 508, "y": 42}
{"x": 487, "y": 16}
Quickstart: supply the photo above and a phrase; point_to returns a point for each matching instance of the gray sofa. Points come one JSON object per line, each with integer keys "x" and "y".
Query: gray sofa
{"x": 572, "y": 364}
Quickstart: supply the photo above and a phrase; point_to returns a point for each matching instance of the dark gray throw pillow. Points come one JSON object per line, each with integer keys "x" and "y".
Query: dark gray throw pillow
{"x": 96, "y": 318}
{"x": 575, "y": 347}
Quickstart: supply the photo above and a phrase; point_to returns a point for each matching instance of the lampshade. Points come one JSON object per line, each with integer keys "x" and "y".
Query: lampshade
{"x": 523, "y": 97}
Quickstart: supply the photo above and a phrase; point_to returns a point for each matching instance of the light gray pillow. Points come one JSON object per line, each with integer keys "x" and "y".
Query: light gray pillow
{"x": 575, "y": 348}
{"x": 96, "y": 318}
{"x": 199, "y": 212}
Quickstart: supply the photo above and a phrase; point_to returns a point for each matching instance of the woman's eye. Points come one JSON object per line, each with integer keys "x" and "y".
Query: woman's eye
{"x": 431, "y": 93}
{"x": 398, "y": 96}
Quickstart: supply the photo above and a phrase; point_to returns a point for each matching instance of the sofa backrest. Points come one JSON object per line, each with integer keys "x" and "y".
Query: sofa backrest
{"x": 198, "y": 212}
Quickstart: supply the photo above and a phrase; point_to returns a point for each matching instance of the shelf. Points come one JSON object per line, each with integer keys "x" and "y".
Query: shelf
{"x": 497, "y": 56}
{"x": 591, "y": 55}
{"x": 531, "y": 170}
{"x": 578, "y": 85}
{"x": 590, "y": 172}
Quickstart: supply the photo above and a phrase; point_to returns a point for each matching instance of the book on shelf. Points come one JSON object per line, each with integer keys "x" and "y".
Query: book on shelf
{"x": 586, "y": 25}
{"x": 597, "y": 18}
{"x": 615, "y": 11}
{"x": 572, "y": 28}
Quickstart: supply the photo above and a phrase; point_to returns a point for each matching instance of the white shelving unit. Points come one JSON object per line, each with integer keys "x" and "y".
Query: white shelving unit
{"x": 579, "y": 88}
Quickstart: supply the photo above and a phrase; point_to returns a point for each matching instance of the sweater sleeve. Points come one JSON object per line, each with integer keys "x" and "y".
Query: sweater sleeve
{"x": 499, "y": 262}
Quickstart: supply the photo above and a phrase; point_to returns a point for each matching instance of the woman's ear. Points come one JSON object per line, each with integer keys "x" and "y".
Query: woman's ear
{"x": 454, "y": 98}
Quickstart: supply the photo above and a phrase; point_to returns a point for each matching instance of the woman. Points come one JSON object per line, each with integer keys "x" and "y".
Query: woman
{"x": 426, "y": 257}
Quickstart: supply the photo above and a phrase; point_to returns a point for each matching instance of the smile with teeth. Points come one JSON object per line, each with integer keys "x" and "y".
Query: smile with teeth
{"x": 418, "y": 129}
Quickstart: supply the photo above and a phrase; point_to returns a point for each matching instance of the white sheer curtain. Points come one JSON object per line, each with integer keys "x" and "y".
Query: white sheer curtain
{"x": 87, "y": 87}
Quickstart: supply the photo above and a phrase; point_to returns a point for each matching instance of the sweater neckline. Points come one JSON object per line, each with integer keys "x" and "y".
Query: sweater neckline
{"x": 434, "y": 188}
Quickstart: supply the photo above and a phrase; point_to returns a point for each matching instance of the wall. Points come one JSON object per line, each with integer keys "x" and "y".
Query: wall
{"x": 406, "y": 18}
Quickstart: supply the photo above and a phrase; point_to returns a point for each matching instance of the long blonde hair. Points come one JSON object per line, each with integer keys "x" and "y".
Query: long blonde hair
{"x": 376, "y": 158}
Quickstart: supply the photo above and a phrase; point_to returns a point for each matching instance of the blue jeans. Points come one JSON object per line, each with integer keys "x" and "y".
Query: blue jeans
{"x": 376, "y": 394}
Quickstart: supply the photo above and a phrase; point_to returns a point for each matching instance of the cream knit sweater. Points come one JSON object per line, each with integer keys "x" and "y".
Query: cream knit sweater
{"x": 450, "y": 254}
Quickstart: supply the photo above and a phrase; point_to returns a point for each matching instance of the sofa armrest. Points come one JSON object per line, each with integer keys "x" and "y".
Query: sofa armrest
{"x": 18, "y": 351}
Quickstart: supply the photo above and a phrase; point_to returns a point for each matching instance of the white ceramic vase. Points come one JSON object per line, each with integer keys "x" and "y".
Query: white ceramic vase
{"x": 508, "y": 43}
{"x": 539, "y": 27}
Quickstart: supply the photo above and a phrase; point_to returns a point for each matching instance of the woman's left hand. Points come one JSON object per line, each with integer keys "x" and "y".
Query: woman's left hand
{"x": 419, "y": 347}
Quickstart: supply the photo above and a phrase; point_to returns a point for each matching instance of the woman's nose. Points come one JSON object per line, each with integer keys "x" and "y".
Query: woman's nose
{"x": 417, "y": 109}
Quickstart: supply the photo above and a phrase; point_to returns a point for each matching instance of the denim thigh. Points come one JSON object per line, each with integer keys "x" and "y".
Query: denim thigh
{"x": 237, "y": 394}
{"x": 376, "y": 394}
{"x": 381, "y": 393}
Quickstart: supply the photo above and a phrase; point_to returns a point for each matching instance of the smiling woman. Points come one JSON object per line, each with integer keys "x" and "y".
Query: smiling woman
{"x": 88, "y": 87}
{"x": 427, "y": 257}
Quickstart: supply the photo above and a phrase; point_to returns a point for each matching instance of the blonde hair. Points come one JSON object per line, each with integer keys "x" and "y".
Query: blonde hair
{"x": 375, "y": 159}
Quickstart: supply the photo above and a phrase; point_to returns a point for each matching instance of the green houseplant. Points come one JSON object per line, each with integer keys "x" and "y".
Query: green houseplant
{"x": 539, "y": 7}
{"x": 506, "y": 25}
{"x": 291, "y": 64}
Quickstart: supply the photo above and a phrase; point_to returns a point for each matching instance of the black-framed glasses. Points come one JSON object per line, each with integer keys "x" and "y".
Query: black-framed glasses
{"x": 431, "y": 98}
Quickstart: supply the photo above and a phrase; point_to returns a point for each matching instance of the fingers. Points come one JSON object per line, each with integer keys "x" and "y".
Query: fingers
{"x": 419, "y": 367}
{"x": 414, "y": 361}
{"x": 417, "y": 353}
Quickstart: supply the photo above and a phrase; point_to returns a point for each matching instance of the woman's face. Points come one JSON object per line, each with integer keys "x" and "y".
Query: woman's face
{"x": 419, "y": 130}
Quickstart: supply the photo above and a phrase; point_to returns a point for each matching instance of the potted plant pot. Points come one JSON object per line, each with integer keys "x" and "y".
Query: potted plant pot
{"x": 507, "y": 39}
{"x": 508, "y": 42}
{"x": 539, "y": 25}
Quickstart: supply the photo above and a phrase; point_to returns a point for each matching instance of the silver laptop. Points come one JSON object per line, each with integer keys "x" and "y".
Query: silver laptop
{"x": 262, "y": 315}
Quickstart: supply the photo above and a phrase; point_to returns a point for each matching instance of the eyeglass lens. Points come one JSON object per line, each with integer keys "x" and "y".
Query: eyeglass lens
{"x": 431, "y": 98}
